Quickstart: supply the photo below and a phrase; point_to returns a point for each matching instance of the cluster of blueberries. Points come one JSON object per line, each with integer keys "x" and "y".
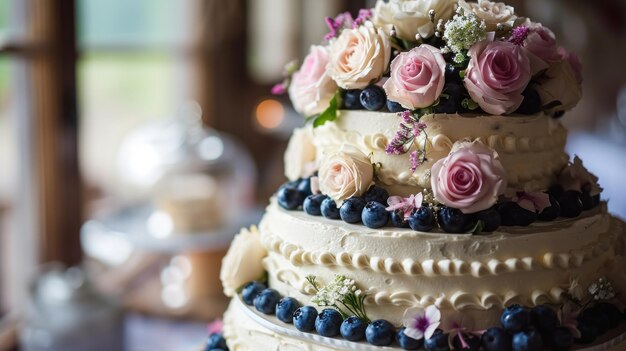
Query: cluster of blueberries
{"x": 521, "y": 329}
{"x": 373, "y": 98}
{"x": 330, "y": 323}
{"x": 370, "y": 209}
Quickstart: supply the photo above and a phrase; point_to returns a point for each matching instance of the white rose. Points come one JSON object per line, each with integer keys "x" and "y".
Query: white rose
{"x": 359, "y": 56}
{"x": 493, "y": 13}
{"x": 345, "y": 173}
{"x": 243, "y": 262}
{"x": 410, "y": 17}
{"x": 559, "y": 86}
{"x": 311, "y": 89}
{"x": 300, "y": 154}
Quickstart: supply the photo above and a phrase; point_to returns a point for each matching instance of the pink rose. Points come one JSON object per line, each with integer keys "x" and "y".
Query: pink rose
{"x": 497, "y": 74}
{"x": 417, "y": 77}
{"x": 541, "y": 42}
{"x": 470, "y": 179}
{"x": 574, "y": 62}
{"x": 311, "y": 89}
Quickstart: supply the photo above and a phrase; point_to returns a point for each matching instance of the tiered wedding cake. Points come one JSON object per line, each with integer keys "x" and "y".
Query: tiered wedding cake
{"x": 430, "y": 202}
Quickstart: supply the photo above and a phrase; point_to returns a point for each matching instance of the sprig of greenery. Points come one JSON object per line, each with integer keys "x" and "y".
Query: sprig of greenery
{"x": 330, "y": 113}
{"x": 342, "y": 295}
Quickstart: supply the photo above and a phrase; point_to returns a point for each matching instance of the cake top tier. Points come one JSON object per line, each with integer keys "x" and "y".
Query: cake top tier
{"x": 439, "y": 102}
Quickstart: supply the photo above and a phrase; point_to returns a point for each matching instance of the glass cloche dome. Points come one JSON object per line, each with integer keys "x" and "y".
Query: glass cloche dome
{"x": 196, "y": 178}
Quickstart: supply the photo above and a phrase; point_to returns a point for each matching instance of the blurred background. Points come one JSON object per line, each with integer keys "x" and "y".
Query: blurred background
{"x": 121, "y": 122}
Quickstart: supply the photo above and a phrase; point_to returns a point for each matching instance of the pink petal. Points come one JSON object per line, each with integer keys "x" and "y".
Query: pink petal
{"x": 433, "y": 314}
{"x": 215, "y": 327}
{"x": 413, "y": 333}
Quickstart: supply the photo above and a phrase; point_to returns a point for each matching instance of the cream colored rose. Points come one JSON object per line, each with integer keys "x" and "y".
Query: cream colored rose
{"x": 345, "y": 173}
{"x": 410, "y": 17}
{"x": 493, "y": 13}
{"x": 359, "y": 56}
{"x": 559, "y": 87}
{"x": 300, "y": 154}
{"x": 243, "y": 262}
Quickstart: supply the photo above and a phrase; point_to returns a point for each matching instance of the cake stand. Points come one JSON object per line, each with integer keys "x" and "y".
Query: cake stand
{"x": 136, "y": 253}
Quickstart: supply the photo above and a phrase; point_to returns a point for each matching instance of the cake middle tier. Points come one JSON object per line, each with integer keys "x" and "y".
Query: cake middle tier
{"x": 476, "y": 274}
{"x": 531, "y": 148}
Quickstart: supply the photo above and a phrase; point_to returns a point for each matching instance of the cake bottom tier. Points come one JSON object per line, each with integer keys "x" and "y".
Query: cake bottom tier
{"x": 247, "y": 330}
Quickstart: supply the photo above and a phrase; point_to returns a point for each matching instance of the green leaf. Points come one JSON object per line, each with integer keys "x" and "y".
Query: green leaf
{"x": 477, "y": 229}
{"x": 330, "y": 113}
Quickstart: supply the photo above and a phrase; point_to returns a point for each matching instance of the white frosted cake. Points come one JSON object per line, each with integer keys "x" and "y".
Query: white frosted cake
{"x": 430, "y": 203}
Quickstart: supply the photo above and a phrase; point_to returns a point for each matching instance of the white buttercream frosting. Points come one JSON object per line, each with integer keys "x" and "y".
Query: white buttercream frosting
{"x": 479, "y": 275}
{"x": 531, "y": 148}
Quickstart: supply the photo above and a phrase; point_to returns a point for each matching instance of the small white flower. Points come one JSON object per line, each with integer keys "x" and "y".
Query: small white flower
{"x": 421, "y": 323}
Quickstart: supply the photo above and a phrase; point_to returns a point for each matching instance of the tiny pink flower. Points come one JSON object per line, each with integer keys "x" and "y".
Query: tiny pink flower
{"x": 406, "y": 204}
{"x": 278, "y": 89}
{"x": 568, "y": 317}
{"x": 533, "y": 202}
{"x": 470, "y": 178}
{"x": 497, "y": 74}
{"x": 215, "y": 327}
{"x": 421, "y": 323}
{"x": 417, "y": 77}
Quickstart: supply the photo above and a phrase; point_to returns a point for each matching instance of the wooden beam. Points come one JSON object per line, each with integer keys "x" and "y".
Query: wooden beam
{"x": 53, "y": 84}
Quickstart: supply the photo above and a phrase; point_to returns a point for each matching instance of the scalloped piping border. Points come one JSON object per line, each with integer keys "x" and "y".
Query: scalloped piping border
{"x": 433, "y": 268}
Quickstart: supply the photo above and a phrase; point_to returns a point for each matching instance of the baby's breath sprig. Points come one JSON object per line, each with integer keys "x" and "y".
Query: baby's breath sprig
{"x": 461, "y": 32}
{"x": 341, "y": 294}
{"x": 601, "y": 289}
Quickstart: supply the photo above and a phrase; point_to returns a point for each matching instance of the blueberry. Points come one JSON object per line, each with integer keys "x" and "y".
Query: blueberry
{"x": 423, "y": 219}
{"x": 313, "y": 204}
{"x": 398, "y": 220}
{"x": 437, "y": 342}
{"x": 452, "y": 102}
{"x": 595, "y": 316}
{"x": 552, "y": 212}
{"x": 491, "y": 219}
{"x": 373, "y": 98}
{"x": 556, "y": 191}
{"x": 380, "y": 333}
{"x": 289, "y": 198}
{"x": 472, "y": 342}
{"x": 374, "y": 215}
{"x": 588, "y": 332}
{"x": 513, "y": 214}
{"x": 353, "y": 328}
{"x": 285, "y": 309}
{"x": 393, "y": 106}
{"x": 531, "y": 103}
{"x": 571, "y": 206}
{"x": 406, "y": 342}
{"x": 610, "y": 313}
{"x": 350, "y": 210}
{"x": 453, "y": 220}
{"x": 352, "y": 99}
{"x": 266, "y": 301}
{"x": 329, "y": 209}
{"x": 452, "y": 73}
{"x": 251, "y": 290}
{"x": 304, "y": 318}
{"x": 216, "y": 341}
{"x": 587, "y": 201}
{"x": 543, "y": 318}
{"x": 561, "y": 339}
{"x": 304, "y": 186}
{"x": 527, "y": 341}
{"x": 515, "y": 318}
{"x": 328, "y": 322}
{"x": 496, "y": 339}
{"x": 376, "y": 193}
